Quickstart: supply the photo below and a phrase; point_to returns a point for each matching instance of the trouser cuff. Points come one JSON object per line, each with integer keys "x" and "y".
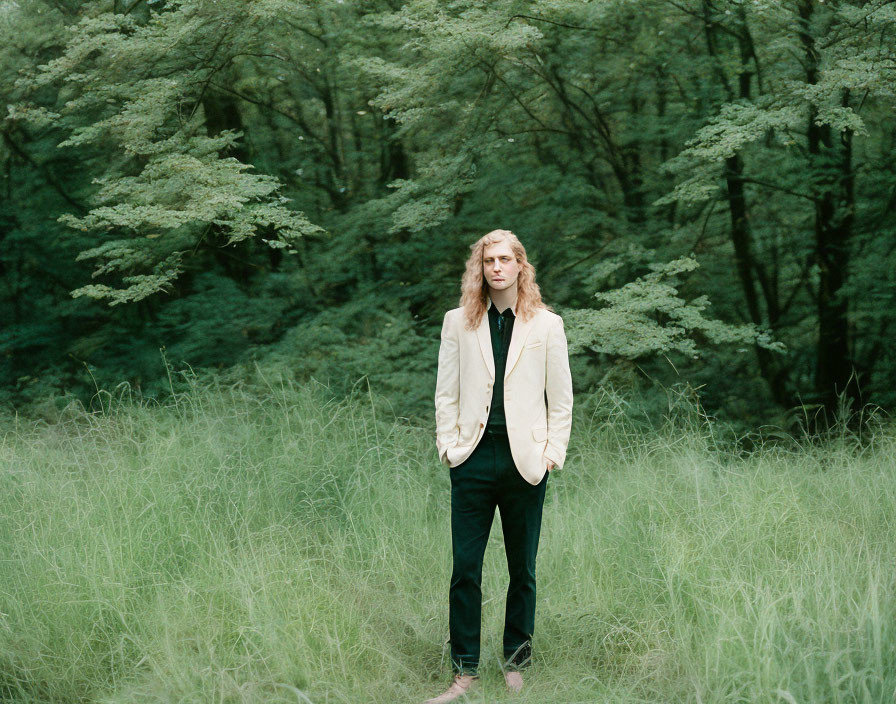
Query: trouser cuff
{"x": 520, "y": 658}
{"x": 460, "y": 666}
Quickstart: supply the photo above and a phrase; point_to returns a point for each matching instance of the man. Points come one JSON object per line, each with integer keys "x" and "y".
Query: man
{"x": 503, "y": 416}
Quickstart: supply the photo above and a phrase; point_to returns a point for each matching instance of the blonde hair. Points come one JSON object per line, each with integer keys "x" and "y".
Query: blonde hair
{"x": 474, "y": 297}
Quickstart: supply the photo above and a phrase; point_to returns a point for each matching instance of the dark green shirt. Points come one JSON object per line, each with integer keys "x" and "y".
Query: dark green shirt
{"x": 501, "y": 327}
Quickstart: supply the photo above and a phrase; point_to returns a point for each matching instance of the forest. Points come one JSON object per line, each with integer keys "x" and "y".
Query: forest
{"x": 705, "y": 187}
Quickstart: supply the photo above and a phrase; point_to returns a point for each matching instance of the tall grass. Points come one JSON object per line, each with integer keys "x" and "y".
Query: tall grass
{"x": 261, "y": 542}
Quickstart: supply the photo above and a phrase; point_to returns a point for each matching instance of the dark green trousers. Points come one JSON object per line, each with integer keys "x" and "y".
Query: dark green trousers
{"x": 487, "y": 479}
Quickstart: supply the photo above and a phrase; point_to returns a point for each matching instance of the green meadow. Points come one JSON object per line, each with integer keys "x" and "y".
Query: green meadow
{"x": 263, "y": 542}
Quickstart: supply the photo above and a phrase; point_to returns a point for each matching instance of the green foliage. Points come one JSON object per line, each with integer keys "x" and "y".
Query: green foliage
{"x": 171, "y": 187}
{"x": 736, "y": 126}
{"x": 362, "y": 343}
{"x": 248, "y": 177}
{"x": 648, "y": 316}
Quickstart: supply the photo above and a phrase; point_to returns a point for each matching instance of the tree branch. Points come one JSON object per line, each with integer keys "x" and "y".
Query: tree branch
{"x": 774, "y": 187}
{"x": 15, "y": 148}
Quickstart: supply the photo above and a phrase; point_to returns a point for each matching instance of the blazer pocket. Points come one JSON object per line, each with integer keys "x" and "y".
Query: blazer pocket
{"x": 540, "y": 434}
{"x": 533, "y": 344}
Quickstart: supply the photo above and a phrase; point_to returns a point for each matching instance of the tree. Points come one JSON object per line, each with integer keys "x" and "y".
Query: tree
{"x": 804, "y": 119}
{"x": 142, "y": 87}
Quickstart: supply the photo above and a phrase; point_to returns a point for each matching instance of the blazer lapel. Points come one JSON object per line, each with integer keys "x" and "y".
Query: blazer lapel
{"x": 485, "y": 344}
{"x": 521, "y": 331}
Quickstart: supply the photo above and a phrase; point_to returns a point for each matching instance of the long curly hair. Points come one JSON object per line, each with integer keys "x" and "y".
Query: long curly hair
{"x": 474, "y": 288}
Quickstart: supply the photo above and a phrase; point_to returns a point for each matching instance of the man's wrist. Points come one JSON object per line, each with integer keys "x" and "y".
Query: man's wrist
{"x": 550, "y": 460}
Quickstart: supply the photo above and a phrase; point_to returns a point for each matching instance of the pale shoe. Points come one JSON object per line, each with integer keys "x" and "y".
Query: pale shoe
{"x": 514, "y": 681}
{"x": 461, "y": 685}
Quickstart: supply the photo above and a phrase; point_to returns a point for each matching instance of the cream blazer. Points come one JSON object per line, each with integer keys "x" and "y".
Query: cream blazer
{"x": 537, "y": 391}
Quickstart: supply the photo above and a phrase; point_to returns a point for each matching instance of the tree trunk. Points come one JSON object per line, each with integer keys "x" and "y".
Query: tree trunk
{"x": 753, "y": 278}
{"x": 832, "y": 183}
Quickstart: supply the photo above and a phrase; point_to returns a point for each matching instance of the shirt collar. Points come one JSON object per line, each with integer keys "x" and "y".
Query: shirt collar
{"x": 512, "y": 310}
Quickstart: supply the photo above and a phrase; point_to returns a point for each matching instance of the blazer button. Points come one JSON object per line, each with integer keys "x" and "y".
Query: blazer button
{"x": 482, "y": 425}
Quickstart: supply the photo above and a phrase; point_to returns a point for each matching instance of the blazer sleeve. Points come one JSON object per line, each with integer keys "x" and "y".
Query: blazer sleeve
{"x": 558, "y": 390}
{"x": 447, "y": 390}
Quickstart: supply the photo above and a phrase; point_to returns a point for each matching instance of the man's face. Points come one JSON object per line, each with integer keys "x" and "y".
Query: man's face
{"x": 499, "y": 266}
